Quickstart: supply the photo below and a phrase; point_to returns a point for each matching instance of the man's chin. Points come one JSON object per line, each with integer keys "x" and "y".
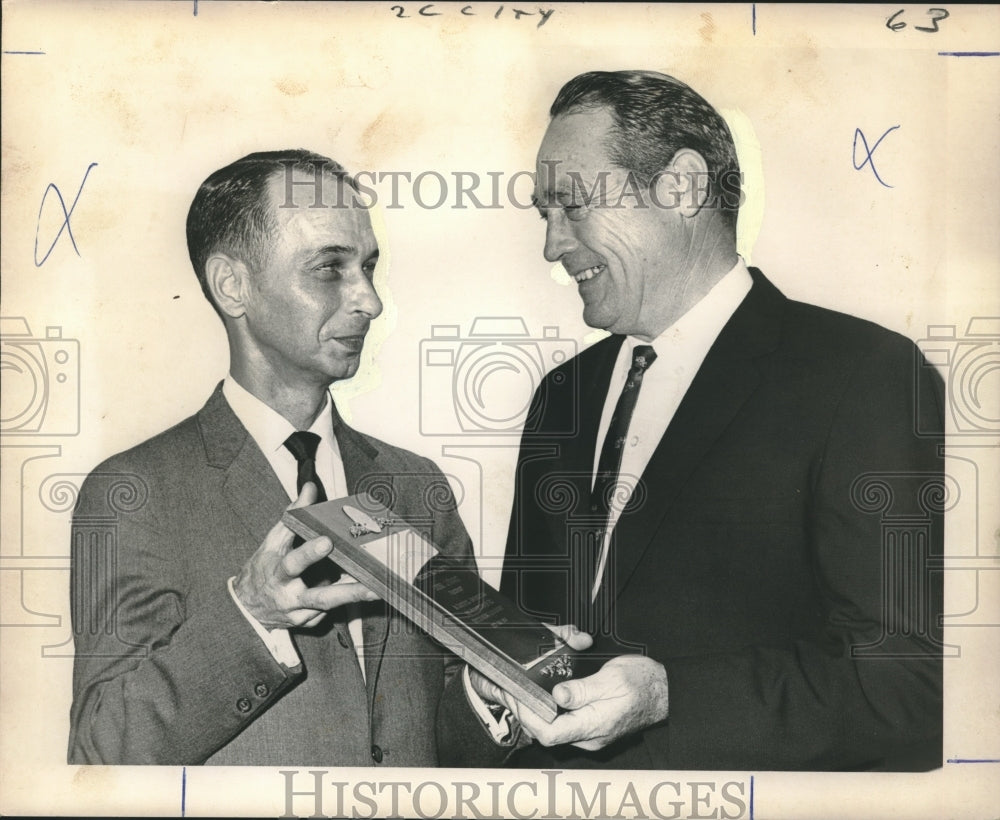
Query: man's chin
{"x": 341, "y": 369}
{"x": 343, "y": 375}
{"x": 597, "y": 319}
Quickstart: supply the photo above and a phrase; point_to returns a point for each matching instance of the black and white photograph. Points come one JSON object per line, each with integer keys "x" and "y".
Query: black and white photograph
{"x": 479, "y": 410}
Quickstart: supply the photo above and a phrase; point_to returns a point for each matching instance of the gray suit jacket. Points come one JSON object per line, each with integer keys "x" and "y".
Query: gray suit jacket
{"x": 168, "y": 670}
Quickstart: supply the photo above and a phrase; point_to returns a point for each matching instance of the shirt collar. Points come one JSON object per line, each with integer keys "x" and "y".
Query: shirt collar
{"x": 700, "y": 326}
{"x": 268, "y": 428}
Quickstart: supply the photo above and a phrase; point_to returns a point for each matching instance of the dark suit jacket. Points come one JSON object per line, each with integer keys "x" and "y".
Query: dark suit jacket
{"x": 168, "y": 670}
{"x": 774, "y": 557}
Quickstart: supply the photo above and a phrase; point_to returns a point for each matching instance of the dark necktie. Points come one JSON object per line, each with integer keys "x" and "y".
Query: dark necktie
{"x": 302, "y": 445}
{"x": 609, "y": 464}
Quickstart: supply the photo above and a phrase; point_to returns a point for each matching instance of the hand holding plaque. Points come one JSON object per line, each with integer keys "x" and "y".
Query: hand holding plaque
{"x": 270, "y": 585}
{"x": 445, "y": 597}
{"x": 626, "y": 695}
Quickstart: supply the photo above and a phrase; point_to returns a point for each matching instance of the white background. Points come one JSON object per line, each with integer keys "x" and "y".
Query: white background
{"x": 160, "y": 97}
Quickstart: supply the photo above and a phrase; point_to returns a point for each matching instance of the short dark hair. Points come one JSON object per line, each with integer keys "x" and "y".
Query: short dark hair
{"x": 233, "y": 213}
{"x": 655, "y": 116}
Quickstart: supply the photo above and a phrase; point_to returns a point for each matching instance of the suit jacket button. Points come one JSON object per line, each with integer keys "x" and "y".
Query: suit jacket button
{"x": 261, "y": 690}
{"x": 244, "y": 705}
{"x": 343, "y": 640}
{"x": 376, "y": 753}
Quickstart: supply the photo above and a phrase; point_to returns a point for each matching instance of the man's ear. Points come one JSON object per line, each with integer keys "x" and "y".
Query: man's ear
{"x": 227, "y": 280}
{"x": 687, "y": 179}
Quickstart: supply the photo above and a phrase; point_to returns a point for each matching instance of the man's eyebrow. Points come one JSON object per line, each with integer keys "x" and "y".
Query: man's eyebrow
{"x": 344, "y": 250}
{"x": 548, "y": 197}
{"x": 565, "y": 192}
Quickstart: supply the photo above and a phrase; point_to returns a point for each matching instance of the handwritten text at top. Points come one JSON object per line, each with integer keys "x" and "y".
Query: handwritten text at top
{"x": 433, "y": 10}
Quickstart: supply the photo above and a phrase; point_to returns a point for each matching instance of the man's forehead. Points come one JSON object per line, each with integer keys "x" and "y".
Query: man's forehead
{"x": 581, "y": 130}
{"x": 574, "y": 149}
{"x": 306, "y": 230}
{"x": 293, "y": 188}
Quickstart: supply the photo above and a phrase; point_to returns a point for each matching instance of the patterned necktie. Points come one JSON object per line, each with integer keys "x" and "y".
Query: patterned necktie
{"x": 609, "y": 464}
{"x": 303, "y": 446}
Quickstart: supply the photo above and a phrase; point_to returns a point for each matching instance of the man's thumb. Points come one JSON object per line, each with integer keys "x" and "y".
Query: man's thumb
{"x": 307, "y": 496}
{"x": 571, "y": 694}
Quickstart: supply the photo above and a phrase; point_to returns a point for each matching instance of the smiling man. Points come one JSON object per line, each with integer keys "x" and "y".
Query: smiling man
{"x": 204, "y": 632}
{"x": 723, "y": 518}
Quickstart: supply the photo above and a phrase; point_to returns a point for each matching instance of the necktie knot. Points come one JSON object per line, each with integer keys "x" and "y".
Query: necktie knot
{"x": 642, "y": 357}
{"x": 303, "y": 445}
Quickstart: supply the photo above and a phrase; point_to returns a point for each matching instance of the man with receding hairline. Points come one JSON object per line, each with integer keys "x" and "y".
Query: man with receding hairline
{"x": 711, "y": 527}
{"x": 204, "y": 631}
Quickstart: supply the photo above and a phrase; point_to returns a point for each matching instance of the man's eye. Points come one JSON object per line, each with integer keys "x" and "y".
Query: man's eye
{"x": 369, "y": 269}
{"x": 329, "y": 270}
{"x": 575, "y": 212}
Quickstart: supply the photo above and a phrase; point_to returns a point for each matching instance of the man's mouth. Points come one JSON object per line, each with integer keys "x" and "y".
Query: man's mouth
{"x": 589, "y": 273}
{"x": 351, "y": 343}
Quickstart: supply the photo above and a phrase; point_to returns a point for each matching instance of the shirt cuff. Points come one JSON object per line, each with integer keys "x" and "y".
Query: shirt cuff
{"x": 499, "y": 723}
{"x": 278, "y": 641}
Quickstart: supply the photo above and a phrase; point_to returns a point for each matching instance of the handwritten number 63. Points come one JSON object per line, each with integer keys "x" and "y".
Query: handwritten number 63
{"x": 935, "y": 15}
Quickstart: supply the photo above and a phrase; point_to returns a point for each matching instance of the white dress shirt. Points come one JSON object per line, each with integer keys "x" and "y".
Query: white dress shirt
{"x": 680, "y": 351}
{"x": 269, "y": 429}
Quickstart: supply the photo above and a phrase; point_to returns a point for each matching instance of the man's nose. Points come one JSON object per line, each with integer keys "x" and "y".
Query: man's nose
{"x": 363, "y": 296}
{"x": 559, "y": 239}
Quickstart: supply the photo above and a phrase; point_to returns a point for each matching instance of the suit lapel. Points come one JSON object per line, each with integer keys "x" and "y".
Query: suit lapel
{"x": 360, "y": 459}
{"x": 357, "y": 453}
{"x": 723, "y": 383}
{"x": 574, "y": 462}
{"x": 250, "y": 487}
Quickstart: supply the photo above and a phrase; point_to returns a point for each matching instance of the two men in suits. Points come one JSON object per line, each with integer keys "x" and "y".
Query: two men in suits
{"x": 745, "y": 513}
{"x": 204, "y": 633}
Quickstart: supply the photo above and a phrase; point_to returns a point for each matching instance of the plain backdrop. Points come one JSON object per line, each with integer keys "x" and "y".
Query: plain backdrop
{"x": 159, "y": 97}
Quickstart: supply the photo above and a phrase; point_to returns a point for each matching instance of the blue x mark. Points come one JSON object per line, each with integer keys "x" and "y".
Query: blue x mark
{"x": 66, "y": 217}
{"x": 868, "y": 152}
